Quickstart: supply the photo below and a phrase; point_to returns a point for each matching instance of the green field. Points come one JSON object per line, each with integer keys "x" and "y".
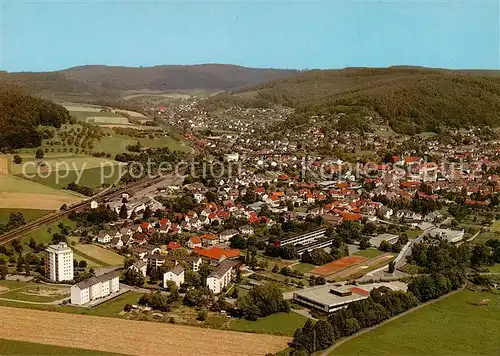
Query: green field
{"x": 93, "y": 177}
{"x": 110, "y": 308}
{"x": 280, "y": 323}
{"x": 12, "y": 184}
{"x": 99, "y": 255}
{"x": 43, "y": 235}
{"x": 32, "y": 292}
{"x": 454, "y": 326}
{"x": 495, "y": 227}
{"x": 29, "y": 214}
{"x": 11, "y": 347}
{"x": 413, "y": 234}
{"x": 369, "y": 253}
{"x": 114, "y": 144}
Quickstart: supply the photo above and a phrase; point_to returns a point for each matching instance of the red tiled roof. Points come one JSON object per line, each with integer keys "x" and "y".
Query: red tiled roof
{"x": 216, "y": 253}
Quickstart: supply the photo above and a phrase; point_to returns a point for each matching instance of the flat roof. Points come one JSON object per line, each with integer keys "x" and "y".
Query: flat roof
{"x": 321, "y": 294}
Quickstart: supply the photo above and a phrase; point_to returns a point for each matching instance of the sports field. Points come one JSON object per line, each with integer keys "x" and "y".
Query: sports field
{"x": 338, "y": 265}
{"x": 143, "y": 338}
{"x": 99, "y": 254}
{"x": 360, "y": 269}
{"x": 465, "y": 323}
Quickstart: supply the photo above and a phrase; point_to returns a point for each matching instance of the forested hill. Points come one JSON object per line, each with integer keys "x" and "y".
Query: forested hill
{"x": 411, "y": 99}
{"x": 20, "y": 116}
{"x": 110, "y": 80}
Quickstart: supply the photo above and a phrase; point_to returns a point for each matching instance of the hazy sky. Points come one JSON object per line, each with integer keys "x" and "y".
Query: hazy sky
{"x": 40, "y": 35}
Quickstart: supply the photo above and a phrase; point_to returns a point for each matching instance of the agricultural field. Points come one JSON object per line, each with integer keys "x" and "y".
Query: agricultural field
{"x": 98, "y": 254}
{"x": 19, "y": 193}
{"x": 279, "y": 324}
{"x": 471, "y": 322}
{"x": 95, "y": 333}
{"x": 57, "y": 171}
{"x": 12, "y": 347}
{"x": 32, "y": 292}
{"x": 29, "y": 214}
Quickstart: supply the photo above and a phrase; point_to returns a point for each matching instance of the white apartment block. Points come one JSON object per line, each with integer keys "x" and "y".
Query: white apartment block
{"x": 176, "y": 275}
{"x": 221, "y": 277}
{"x": 95, "y": 287}
{"x": 59, "y": 262}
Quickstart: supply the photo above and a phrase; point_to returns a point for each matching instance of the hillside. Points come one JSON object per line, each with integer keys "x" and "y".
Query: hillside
{"x": 109, "y": 81}
{"x": 20, "y": 116}
{"x": 410, "y": 99}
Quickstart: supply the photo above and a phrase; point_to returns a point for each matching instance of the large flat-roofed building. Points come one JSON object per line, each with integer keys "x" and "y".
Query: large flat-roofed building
{"x": 329, "y": 298}
{"x": 447, "y": 234}
{"x": 315, "y": 245}
{"x": 59, "y": 262}
{"x": 303, "y": 239}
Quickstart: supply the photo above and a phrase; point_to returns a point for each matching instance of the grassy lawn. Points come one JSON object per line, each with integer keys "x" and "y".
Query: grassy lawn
{"x": 280, "y": 323}
{"x": 99, "y": 255}
{"x": 114, "y": 144}
{"x": 110, "y": 308}
{"x": 43, "y": 234}
{"x": 369, "y": 253}
{"x": 11, "y": 347}
{"x": 453, "y": 326}
{"x": 29, "y": 214}
{"x": 495, "y": 268}
{"x": 91, "y": 262}
{"x": 37, "y": 293}
{"x": 495, "y": 227}
{"x": 304, "y": 267}
{"x": 485, "y": 236}
{"x": 412, "y": 234}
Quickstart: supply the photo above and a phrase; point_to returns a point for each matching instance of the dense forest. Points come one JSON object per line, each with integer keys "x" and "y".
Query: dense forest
{"x": 411, "y": 100}
{"x": 20, "y": 116}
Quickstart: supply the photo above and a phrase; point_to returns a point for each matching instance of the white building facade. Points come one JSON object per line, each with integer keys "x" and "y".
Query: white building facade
{"x": 59, "y": 262}
{"x": 95, "y": 288}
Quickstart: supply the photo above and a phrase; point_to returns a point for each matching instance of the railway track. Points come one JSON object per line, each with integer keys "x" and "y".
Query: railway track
{"x": 49, "y": 219}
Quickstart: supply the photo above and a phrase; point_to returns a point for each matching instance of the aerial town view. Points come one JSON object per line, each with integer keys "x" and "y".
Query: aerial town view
{"x": 250, "y": 178}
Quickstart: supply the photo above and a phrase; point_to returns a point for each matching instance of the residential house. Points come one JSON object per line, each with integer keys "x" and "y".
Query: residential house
{"x": 140, "y": 267}
{"x": 215, "y": 255}
{"x": 194, "y": 241}
{"x": 226, "y": 235}
{"x": 176, "y": 275}
{"x": 247, "y": 230}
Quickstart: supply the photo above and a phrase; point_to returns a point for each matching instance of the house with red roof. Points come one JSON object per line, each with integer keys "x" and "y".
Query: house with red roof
{"x": 194, "y": 242}
{"x": 216, "y": 255}
{"x": 173, "y": 245}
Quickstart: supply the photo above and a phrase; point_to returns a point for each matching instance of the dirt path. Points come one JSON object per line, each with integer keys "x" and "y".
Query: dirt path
{"x": 364, "y": 331}
{"x": 131, "y": 337}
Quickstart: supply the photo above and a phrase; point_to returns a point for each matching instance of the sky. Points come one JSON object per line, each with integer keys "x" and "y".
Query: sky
{"x": 53, "y": 35}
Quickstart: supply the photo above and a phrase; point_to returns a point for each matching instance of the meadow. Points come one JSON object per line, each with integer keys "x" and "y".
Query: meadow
{"x": 29, "y": 214}
{"x": 99, "y": 254}
{"x": 279, "y": 324}
{"x": 369, "y": 253}
{"x": 457, "y": 325}
{"x": 44, "y": 235}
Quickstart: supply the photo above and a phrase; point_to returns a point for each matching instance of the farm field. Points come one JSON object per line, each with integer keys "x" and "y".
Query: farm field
{"x": 60, "y": 170}
{"x": 11, "y": 347}
{"x": 97, "y": 333}
{"x": 369, "y": 253}
{"x": 280, "y": 323}
{"x": 470, "y": 329}
{"x": 114, "y": 144}
{"x": 29, "y": 214}
{"x": 99, "y": 254}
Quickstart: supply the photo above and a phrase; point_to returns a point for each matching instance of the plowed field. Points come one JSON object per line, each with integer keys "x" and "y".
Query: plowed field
{"x": 131, "y": 337}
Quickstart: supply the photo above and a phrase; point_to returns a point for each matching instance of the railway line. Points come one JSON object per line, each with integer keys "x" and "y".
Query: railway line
{"x": 100, "y": 198}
